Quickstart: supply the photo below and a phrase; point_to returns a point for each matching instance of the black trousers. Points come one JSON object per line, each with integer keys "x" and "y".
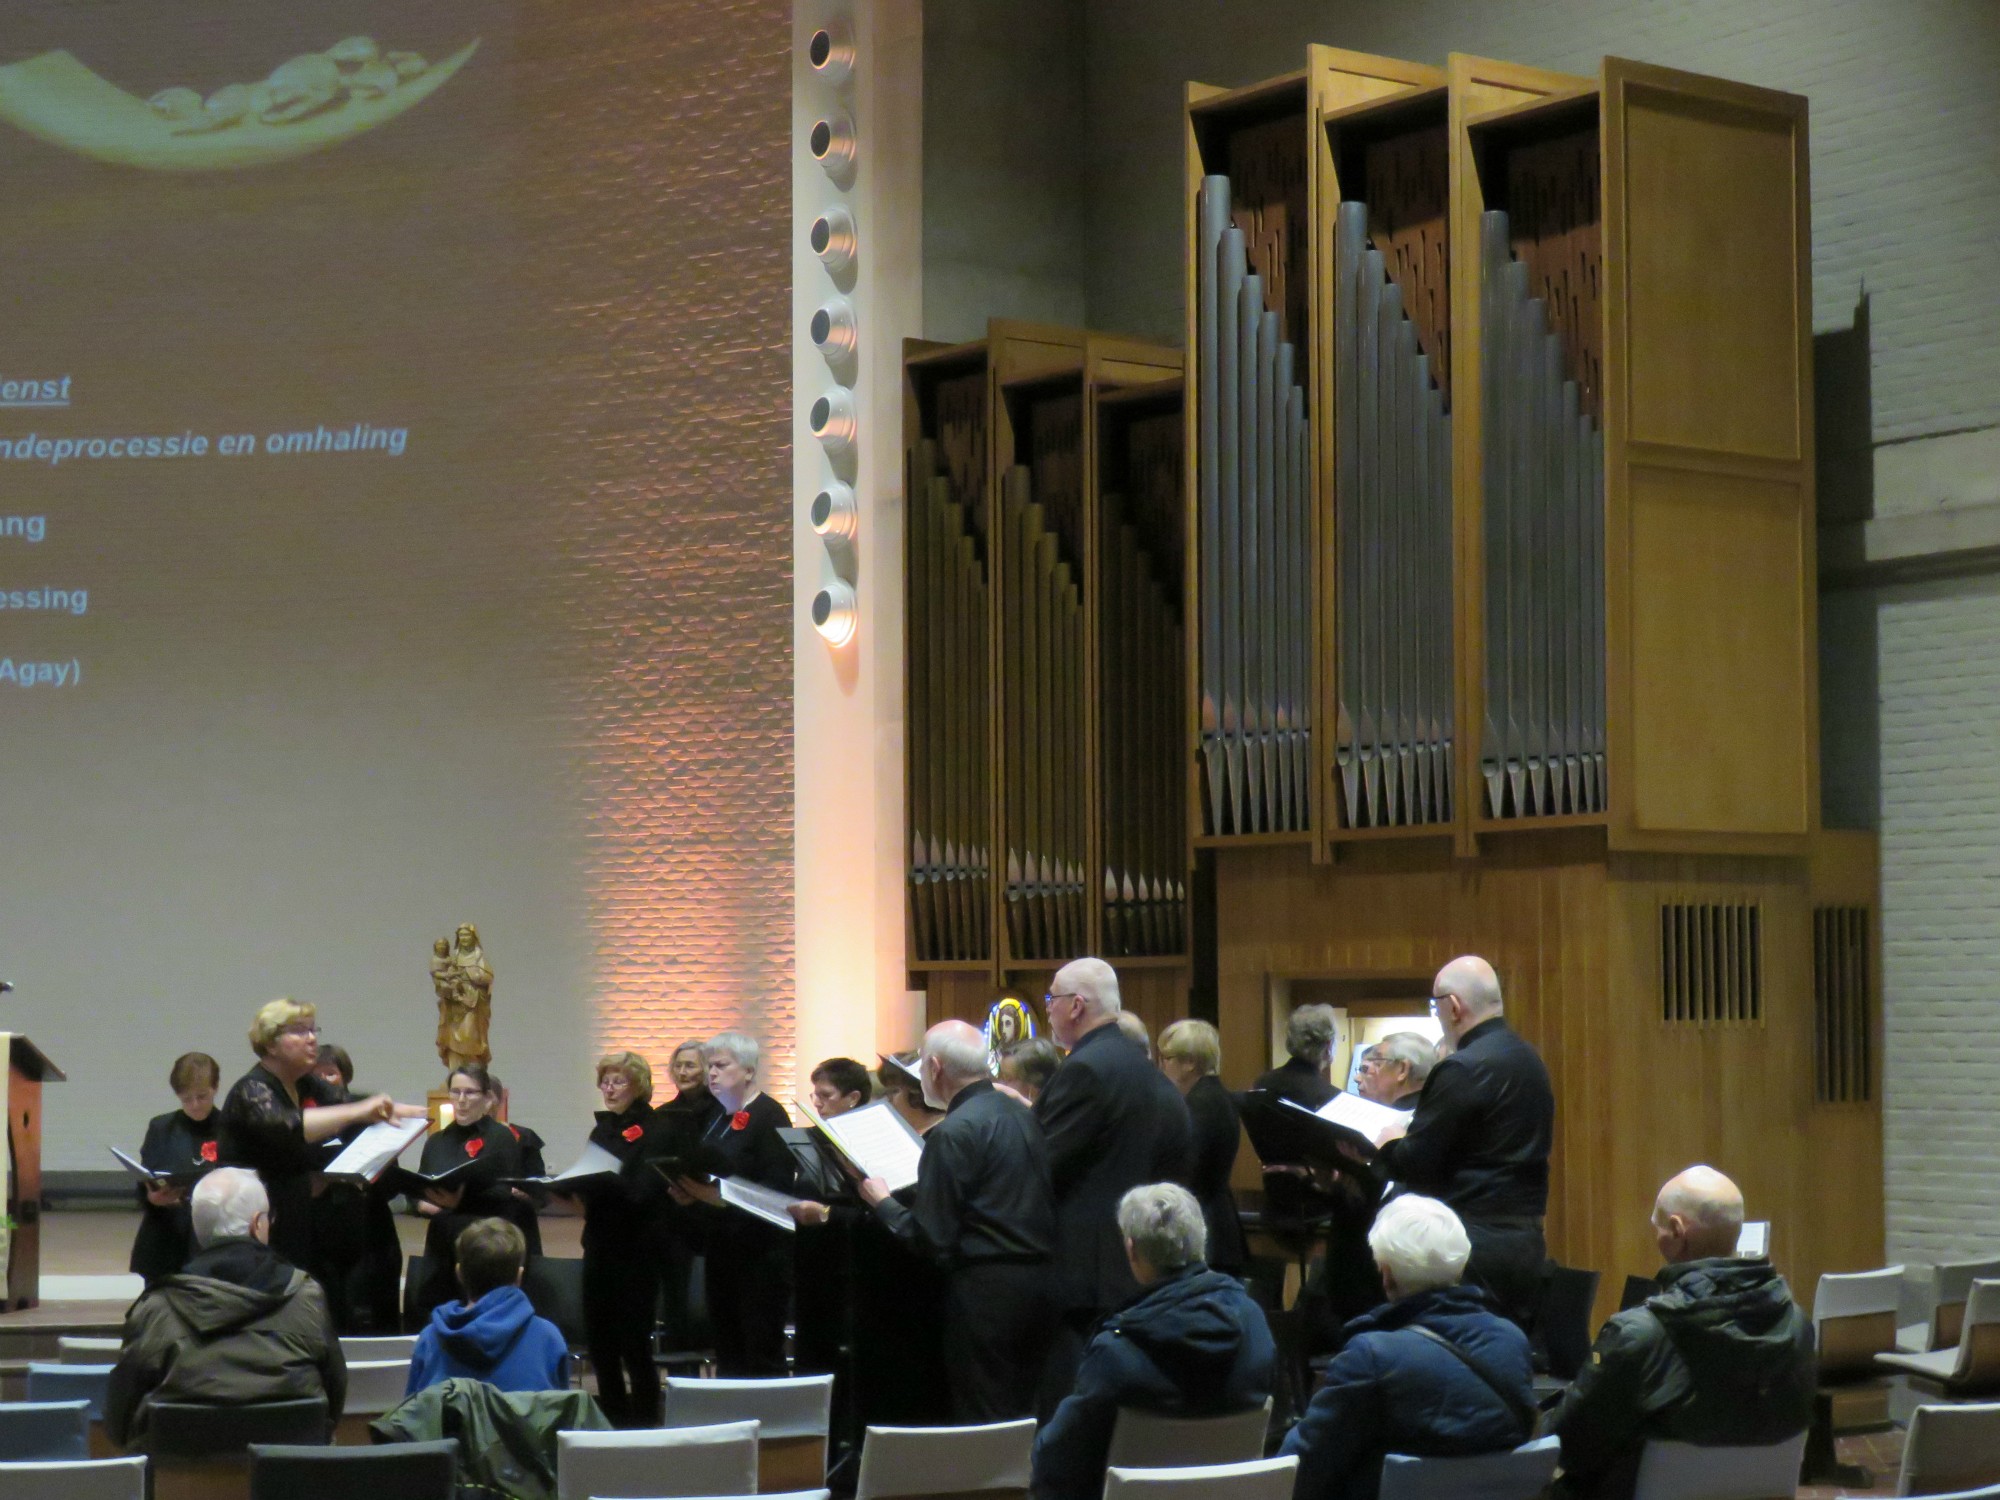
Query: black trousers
{"x": 621, "y": 1299}
{"x": 748, "y": 1280}
{"x": 1507, "y": 1256}
{"x": 999, "y": 1324}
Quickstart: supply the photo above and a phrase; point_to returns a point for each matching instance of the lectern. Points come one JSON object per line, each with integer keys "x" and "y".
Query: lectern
{"x": 27, "y": 1071}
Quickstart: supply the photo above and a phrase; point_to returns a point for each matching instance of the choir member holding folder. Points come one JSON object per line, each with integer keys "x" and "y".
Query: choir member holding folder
{"x": 179, "y": 1143}
{"x": 278, "y": 1113}
{"x": 474, "y": 1158}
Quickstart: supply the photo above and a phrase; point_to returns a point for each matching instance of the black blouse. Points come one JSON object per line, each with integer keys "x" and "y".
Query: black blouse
{"x": 494, "y": 1152}
{"x": 624, "y": 1211}
{"x": 174, "y": 1143}
{"x": 263, "y": 1130}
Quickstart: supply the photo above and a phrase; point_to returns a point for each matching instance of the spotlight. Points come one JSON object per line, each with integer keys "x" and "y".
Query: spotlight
{"x": 833, "y": 239}
{"x": 832, "y": 419}
{"x": 833, "y": 328}
{"x": 830, "y": 50}
{"x": 834, "y": 512}
{"x": 832, "y": 144}
{"x": 834, "y": 613}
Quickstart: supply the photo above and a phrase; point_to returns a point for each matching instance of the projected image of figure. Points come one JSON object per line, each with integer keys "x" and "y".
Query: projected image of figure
{"x": 463, "y": 981}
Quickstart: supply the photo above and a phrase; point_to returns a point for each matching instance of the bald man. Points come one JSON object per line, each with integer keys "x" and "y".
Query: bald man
{"x": 1720, "y": 1357}
{"x": 985, "y": 1211}
{"x": 1480, "y": 1135}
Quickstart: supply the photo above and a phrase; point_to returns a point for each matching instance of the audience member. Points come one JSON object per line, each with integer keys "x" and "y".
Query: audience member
{"x": 1191, "y": 1056}
{"x": 1480, "y": 1136}
{"x": 1134, "y": 1027}
{"x": 179, "y": 1141}
{"x": 1722, "y": 1356}
{"x": 237, "y": 1325}
{"x": 1434, "y": 1372}
{"x": 1027, "y": 1066}
{"x": 1302, "y": 1076}
{"x": 1193, "y": 1345}
{"x": 1112, "y": 1122}
{"x": 493, "y": 1334}
{"x": 1395, "y": 1068}
{"x": 984, "y": 1210}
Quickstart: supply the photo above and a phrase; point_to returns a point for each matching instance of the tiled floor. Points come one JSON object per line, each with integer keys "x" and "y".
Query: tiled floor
{"x": 1881, "y": 1453}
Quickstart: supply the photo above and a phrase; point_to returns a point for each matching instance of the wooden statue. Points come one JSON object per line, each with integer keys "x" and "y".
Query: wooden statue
{"x": 464, "y": 984}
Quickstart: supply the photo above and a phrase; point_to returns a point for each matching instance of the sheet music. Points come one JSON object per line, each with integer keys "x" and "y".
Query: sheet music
{"x": 1753, "y": 1240}
{"x": 371, "y": 1151}
{"x": 758, "y": 1201}
{"x": 595, "y": 1162}
{"x": 876, "y": 1139}
{"x": 1364, "y": 1117}
{"x": 137, "y": 1169}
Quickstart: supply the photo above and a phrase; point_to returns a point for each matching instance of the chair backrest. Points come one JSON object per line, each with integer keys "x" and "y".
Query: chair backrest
{"x": 1562, "y": 1320}
{"x": 1261, "y": 1479}
{"x": 1518, "y": 1474}
{"x": 1978, "y": 1366}
{"x": 1682, "y": 1471}
{"x": 48, "y": 1382}
{"x": 554, "y": 1284}
{"x": 1951, "y": 1287}
{"x": 42, "y": 1430}
{"x": 72, "y": 1350}
{"x": 393, "y": 1471}
{"x": 103, "y": 1479}
{"x": 1854, "y": 1318}
{"x": 1951, "y": 1448}
{"x": 185, "y": 1429}
{"x": 793, "y": 1418}
{"x": 657, "y": 1461}
{"x": 991, "y": 1459}
{"x": 376, "y": 1385}
{"x": 1145, "y": 1439}
{"x": 356, "y": 1346}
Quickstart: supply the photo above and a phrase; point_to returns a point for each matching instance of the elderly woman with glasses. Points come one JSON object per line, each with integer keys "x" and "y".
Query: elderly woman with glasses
{"x": 279, "y": 1111}
{"x": 479, "y": 1154}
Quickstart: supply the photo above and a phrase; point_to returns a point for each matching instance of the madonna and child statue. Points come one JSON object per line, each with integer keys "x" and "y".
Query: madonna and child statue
{"x": 464, "y": 984}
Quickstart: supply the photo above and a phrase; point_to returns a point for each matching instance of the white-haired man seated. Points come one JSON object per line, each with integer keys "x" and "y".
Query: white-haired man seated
{"x": 1194, "y": 1344}
{"x": 1434, "y": 1372}
{"x": 238, "y": 1325}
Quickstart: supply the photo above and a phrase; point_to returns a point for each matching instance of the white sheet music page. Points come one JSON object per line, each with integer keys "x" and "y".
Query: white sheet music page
{"x": 595, "y": 1162}
{"x": 1364, "y": 1117}
{"x": 758, "y": 1201}
{"x": 371, "y": 1151}
{"x": 878, "y": 1141}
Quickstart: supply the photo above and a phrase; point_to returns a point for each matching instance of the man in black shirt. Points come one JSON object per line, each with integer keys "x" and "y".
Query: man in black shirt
{"x": 985, "y": 1210}
{"x": 1479, "y": 1140}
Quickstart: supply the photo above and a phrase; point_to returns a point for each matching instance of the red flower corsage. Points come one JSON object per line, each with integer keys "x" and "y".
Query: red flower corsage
{"x": 740, "y": 1119}
{"x": 474, "y": 1146}
{"x": 633, "y": 1132}
{"x": 208, "y": 1151}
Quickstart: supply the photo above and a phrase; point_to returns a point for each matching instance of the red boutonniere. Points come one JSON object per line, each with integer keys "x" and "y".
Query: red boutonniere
{"x": 208, "y": 1151}
{"x": 309, "y": 1104}
{"x": 474, "y": 1146}
{"x": 633, "y": 1132}
{"x": 739, "y": 1120}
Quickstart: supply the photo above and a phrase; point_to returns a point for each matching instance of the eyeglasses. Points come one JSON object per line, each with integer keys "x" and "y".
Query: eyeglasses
{"x": 302, "y": 1029}
{"x": 1434, "y": 1004}
{"x": 1051, "y": 997}
{"x": 466, "y": 1093}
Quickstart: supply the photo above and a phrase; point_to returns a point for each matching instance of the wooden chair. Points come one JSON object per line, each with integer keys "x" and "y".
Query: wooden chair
{"x": 1521, "y": 1473}
{"x": 657, "y": 1461}
{"x": 932, "y": 1463}
{"x": 1150, "y": 1440}
{"x": 1951, "y": 1448}
{"x": 793, "y": 1418}
{"x": 1970, "y": 1369}
{"x": 1953, "y": 1288}
{"x": 1854, "y": 1319}
{"x": 1683, "y": 1471}
{"x": 84, "y": 1479}
{"x": 1261, "y": 1479}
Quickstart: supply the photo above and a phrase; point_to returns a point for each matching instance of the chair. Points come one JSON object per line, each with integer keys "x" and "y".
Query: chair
{"x": 200, "y": 1452}
{"x": 38, "y": 1431}
{"x": 990, "y": 1460}
{"x": 1854, "y": 1319}
{"x": 47, "y": 1382}
{"x": 1951, "y": 1287}
{"x": 1682, "y": 1471}
{"x": 718, "y": 1460}
{"x": 793, "y": 1418}
{"x": 81, "y": 1351}
{"x": 1145, "y": 1439}
{"x": 1970, "y": 1369}
{"x": 395, "y": 1471}
{"x": 1262, "y": 1479}
{"x": 373, "y": 1387}
{"x": 357, "y": 1347}
{"x": 104, "y": 1479}
{"x": 1562, "y": 1321}
{"x": 554, "y": 1284}
{"x": 1519, "y": 1474}
{"x": 1951, "y": 1448}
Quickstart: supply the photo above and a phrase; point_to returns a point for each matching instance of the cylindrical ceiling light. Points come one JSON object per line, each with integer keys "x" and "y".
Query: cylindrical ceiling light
{"x": 832, "y": 143}
{"x": 833, "y": 613}
{"x": 834, "y": 513}
{"x": 833, "y": 330}
{"x": 833, "y": 419}
{"x": 830, "y": 51}
{"x": 833, "y": 239}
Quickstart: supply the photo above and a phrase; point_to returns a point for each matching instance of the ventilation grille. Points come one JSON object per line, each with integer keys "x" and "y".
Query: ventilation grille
{"x": 1843, "y": 1006}
{"x": 1711, "y": 964}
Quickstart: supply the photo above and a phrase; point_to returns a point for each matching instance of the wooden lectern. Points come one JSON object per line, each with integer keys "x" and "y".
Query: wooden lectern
{"x": 27, "y": 1070}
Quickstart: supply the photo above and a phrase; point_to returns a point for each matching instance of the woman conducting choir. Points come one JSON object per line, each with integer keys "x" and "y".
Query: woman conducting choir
{"x": 481, "y": 1154}
{"x": 278, "y": 1112}
{"x": 749, "y": 1267}
{"x": 1191, "y": 1056}
{"x": 181, "y": 1140}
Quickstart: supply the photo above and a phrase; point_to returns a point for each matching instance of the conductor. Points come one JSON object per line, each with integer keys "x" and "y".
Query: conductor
{"x": 1479, "y": 1139}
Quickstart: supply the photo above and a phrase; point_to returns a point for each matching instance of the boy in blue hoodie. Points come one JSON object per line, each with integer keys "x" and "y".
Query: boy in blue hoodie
{"x": 493, "y": 1335}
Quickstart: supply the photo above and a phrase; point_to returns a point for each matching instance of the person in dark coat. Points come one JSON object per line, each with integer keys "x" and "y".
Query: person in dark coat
{"x": 1480, "y": 1137}
{"x": 1302, "y": 1076}
{"x": 1194, "y": 1344}
{"x": 1111, "y": 1123}
{"x": 181, "y": 1140}
{"x": 1434, "y": 1372}
{"x": 1720, "y": 1357}
{"x": 748, "y": 1271}
{"x": 1191, "y": 1056}
{"x": 354, "y": 1225}
{"x": 985, "y": 1211}
{"x": 485, "y": 1153}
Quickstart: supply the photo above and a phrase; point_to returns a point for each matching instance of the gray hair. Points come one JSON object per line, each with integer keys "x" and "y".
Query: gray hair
{"x": 1309, "y": 1033}
{"x": 1094, "y": 982}
{"x": 1411, "y": 1047}
{"x": 738, "y": 1047}
{"x": 959, "y": 1049}
{"x": 1164, "y": 1224}
{"x": 224, "y": 1204}
{"x": 1420, "y": 1243}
